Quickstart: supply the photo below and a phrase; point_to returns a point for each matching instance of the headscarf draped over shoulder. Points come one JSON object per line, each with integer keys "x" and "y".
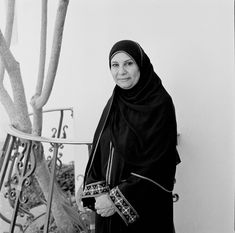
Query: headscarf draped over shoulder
{"x": 142, "y": 120}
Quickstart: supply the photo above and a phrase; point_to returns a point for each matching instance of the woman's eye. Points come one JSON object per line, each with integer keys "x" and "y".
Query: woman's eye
{"x": 114, "y": 65}
{"x": 129, "y": 63}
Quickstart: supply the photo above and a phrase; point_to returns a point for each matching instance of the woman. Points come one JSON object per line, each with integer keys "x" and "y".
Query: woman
{"x": 130, "y": 174}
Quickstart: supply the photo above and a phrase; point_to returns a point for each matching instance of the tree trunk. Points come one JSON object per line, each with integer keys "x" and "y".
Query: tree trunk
{"x": 17, "y": 107}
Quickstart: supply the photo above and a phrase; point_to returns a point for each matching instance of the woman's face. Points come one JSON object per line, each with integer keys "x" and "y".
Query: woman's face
{"x": 124, "y": 70}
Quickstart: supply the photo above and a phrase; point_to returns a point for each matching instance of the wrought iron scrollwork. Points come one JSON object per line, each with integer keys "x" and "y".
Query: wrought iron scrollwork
{"x": 54, "y": 131}
{"x": 17, "y": 173}
{"x": 64, "y": 135}
{"x": 175, "y": 197}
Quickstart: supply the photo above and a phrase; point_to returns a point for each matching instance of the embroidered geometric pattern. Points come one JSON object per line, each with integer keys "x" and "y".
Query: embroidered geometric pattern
{"x": 125, "y": 210}
{"x": 95, "y": 189}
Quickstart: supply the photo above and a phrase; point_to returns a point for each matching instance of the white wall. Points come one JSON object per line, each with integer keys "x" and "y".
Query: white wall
{"x": 190, "y": 44}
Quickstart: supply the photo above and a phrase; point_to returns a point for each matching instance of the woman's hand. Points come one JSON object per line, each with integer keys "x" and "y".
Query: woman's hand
{"x": 104, "y": 206}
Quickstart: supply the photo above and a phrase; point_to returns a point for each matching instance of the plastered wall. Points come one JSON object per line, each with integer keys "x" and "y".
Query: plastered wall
{"x": 190, "y": 44}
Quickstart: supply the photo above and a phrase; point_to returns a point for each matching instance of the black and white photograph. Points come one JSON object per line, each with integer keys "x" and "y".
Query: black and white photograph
{"x": 117, "y": 116}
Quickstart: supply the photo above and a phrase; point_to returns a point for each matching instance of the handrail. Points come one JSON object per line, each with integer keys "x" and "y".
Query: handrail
{"x": 17, "y": 133}
{"x": 55, "y": 110}
{"x": 25, "y": 163}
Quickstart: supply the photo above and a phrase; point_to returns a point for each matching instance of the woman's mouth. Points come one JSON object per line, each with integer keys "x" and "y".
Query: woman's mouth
{"x": 124, "y": 79}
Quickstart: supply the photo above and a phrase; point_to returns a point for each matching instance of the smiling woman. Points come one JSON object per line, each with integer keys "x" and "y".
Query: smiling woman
{"x": 130, "y": 174}
{"x": 124, "y": 70}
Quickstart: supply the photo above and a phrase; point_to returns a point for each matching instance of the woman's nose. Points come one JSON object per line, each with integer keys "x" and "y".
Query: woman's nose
{"x": 122, "y": 70}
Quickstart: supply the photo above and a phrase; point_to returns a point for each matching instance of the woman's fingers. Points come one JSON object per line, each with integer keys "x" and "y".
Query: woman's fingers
{"x": 106, "y": 212}
{"x": 103, "y": 201}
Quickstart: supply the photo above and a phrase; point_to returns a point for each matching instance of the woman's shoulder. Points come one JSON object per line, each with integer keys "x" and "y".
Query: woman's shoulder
{"x": 107, "y": 106}
{"x": 163, "y": 98}
{"x": 109, "y": 102}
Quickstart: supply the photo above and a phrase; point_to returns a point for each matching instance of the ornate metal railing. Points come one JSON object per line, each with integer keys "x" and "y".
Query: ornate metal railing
{"x": 17, "y": 167}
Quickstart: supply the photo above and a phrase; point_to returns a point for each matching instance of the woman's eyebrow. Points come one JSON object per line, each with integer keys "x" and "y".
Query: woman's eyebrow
{"x": 130, "y": 59}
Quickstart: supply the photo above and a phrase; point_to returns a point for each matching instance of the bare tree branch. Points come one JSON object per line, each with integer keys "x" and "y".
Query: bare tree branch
{"x": 5, "y": 98}
{"x": 8, "y": 30}
{"x": 55, "y": 54}
{"x": 13, "y": 69}
{"x": 37, "y": 113}
{"x": 20, "y": 111}
{"x": 43, "y": 41}
{"x": 6, "y": 101}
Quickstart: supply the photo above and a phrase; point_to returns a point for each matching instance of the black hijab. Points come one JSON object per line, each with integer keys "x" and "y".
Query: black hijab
{"x": 142, "y": 121}
{"x": 139, "y": 114}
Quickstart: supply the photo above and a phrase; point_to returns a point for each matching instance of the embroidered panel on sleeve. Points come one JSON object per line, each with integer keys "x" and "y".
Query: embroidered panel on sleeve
{"x": 95, "y": 189}
{"x": 124, "y": 208}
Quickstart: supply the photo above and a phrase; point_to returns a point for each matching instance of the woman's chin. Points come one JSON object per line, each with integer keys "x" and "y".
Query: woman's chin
{"x": 125, "y": 86}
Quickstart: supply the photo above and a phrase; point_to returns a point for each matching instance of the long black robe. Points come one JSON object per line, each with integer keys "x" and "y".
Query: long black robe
{"x": 134, "y": 156}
